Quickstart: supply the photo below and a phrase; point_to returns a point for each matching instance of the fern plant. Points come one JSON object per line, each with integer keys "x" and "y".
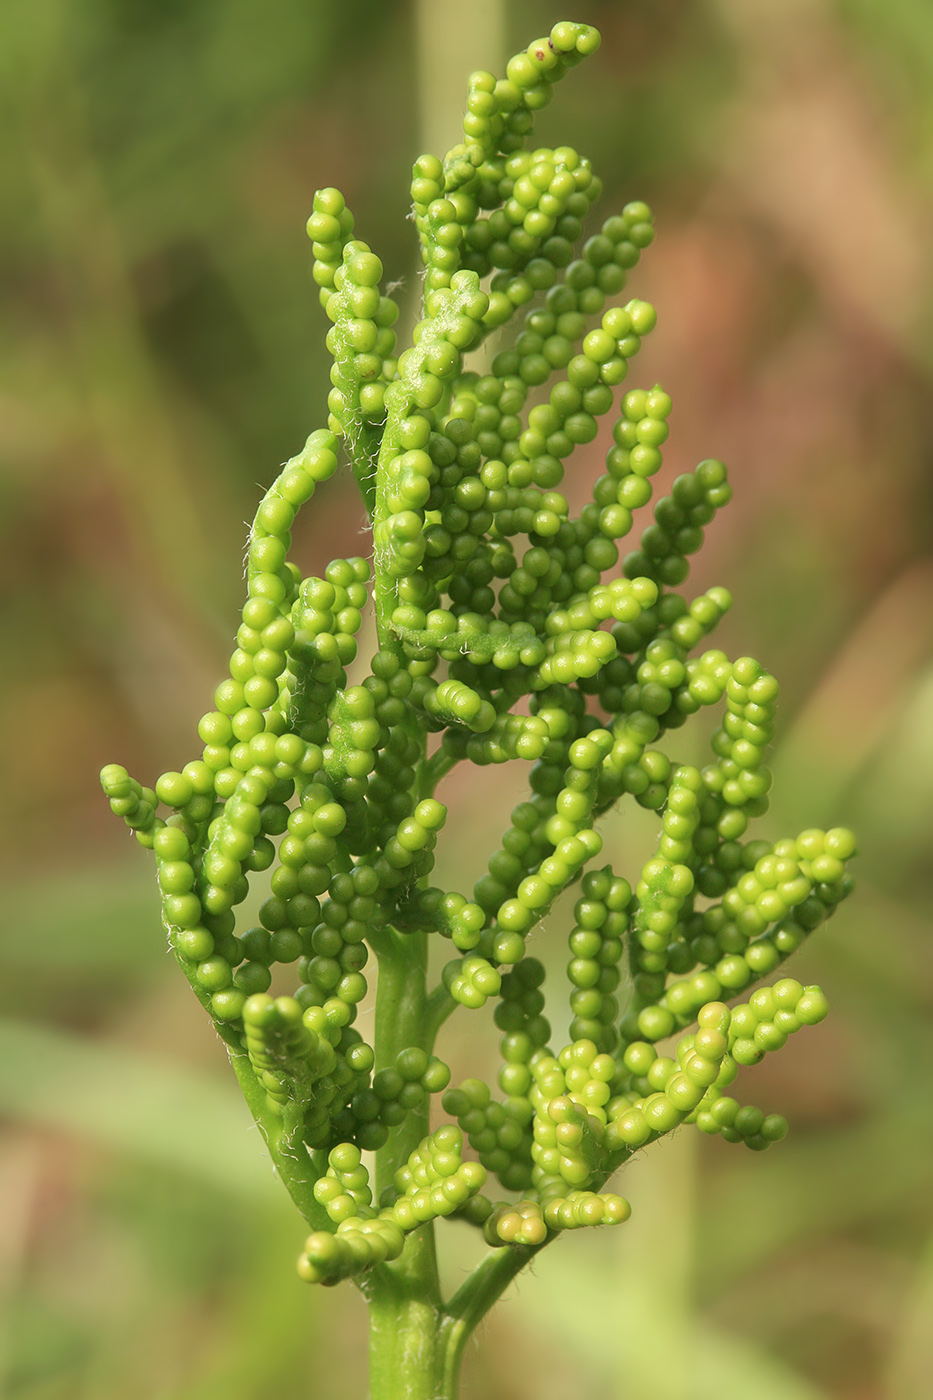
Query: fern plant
{"x": 507, "y": 629}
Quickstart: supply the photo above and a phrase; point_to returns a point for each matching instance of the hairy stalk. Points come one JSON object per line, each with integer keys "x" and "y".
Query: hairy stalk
{"x": 404, "y": 1295}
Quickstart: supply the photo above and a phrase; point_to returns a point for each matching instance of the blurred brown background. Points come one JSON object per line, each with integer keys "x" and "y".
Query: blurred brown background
{"x": 162, "y": 352}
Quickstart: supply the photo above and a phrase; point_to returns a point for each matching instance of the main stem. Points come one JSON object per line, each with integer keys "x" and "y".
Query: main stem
{"x": 405, "y": 1309}
{"x": 416, "y": 1342}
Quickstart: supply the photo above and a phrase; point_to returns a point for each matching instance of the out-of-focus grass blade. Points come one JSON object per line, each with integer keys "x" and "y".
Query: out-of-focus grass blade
{"x": 895, "y": 798}
{"x": 135, "y": 1104}
{"x": 622, "y": 1300}
{"x": 911, "y": 1365}
{"x": 101, "y": 919}
{"x": 856, "y": 710}
{"x": 813, "y": 1189}
{"x": 625, "y": 1333}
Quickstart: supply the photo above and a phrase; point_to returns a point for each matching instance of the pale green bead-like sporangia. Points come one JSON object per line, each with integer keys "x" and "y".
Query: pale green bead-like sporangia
{"x": 508, "y": 627}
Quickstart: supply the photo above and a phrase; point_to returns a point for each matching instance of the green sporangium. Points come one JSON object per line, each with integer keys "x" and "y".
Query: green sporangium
{"x": 507, "y": 629}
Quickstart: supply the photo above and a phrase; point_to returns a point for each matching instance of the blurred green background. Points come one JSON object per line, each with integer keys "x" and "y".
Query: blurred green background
{"x": 162, "y": 352}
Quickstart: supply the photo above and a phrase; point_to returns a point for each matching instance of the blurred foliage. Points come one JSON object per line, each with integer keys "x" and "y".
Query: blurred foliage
{"x": 161, "y": 352}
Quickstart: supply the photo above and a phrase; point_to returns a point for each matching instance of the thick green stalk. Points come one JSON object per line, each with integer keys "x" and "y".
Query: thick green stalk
{"x": 404, "y": 1296}
{"x": 401, "y": 999}
{"x": 416, "y": 1343}
{"x": 406, "y": 1352}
